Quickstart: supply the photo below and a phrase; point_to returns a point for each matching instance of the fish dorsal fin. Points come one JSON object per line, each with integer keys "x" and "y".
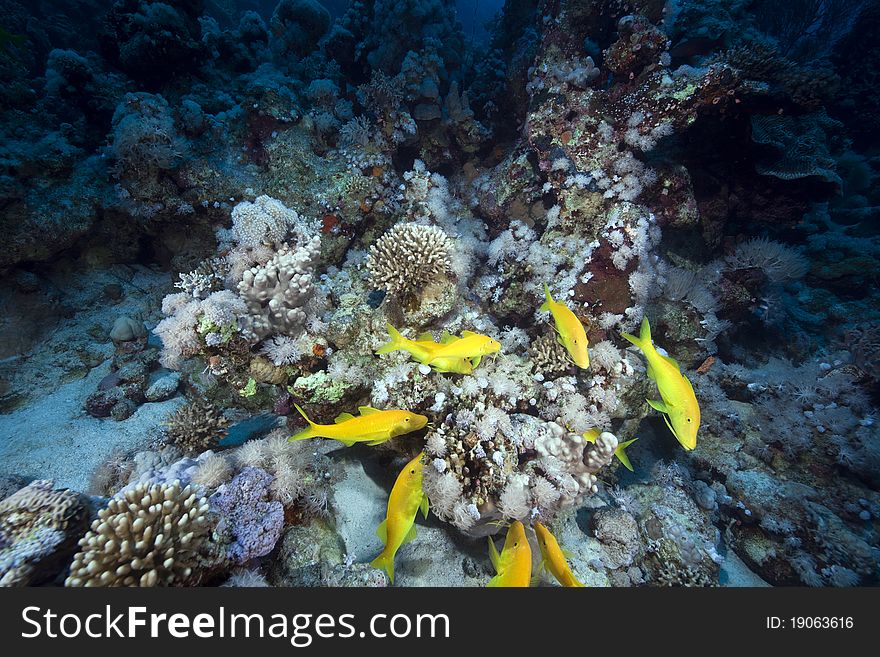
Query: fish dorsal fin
{"x": 671, "y": 361}
{"x": 467, "y": 334}
{"x": 658, "y": 405}
{"x": 548, "y": 299}
{"x": 343, "y": 417}
{"x": 427, "y": 336}
{"x": 410, "y": 535}
{"x": 424, "y": 505}
{"x": 368, "y": 410}
{"x": 382, "y": 532}
{"x": 447, "y": 338}
{"x": 494, "y": 557}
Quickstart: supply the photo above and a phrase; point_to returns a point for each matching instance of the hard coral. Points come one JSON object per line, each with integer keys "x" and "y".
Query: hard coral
{"x": 150, "y": 535}
{"x": 276, "y": 292}
{"x": 409, "y": 257}
{"x": 39, "y": 527}
{"x": 196, "y": 426}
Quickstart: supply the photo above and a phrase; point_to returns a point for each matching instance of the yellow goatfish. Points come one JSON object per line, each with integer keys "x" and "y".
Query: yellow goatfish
{"x": 470, "y": 346}
{"x": 553, "y": 557}
{"x": 422, "y": 350}
{"x": 514, "y": 564}
{"x": 404, "y": 503}
{"x": 591, "y": 435}
{"x": 372, "y": 426}
{"x": 679, "y": 403}
{"x": 571, "y": 333}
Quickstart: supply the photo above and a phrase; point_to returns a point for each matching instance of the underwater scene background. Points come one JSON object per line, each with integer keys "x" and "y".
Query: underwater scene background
{"x": 215, "y": 213}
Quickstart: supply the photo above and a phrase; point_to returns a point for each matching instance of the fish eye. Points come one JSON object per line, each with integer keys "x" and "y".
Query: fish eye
{"x": 689, "y": 419}
{"x": 407, "y": 419}
{"x": 412, "y": 471}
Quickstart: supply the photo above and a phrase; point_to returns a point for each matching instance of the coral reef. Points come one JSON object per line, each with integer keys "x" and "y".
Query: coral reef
{"x": 213, "y": 211}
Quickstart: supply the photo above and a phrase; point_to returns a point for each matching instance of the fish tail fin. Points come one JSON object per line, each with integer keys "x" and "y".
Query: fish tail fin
{"x": 385, "y": 561}
{"x": 548, "y": 297}
{"x": 305, "y": 433}
{"x": 643, "y": 342}
{"x": 395, "y": 339}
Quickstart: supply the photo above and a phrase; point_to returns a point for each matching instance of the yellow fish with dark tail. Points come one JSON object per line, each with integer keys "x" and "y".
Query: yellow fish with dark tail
{"x": 571, "y": 333}
{"x": 553, "y": 557}
{"x": 514, "y": 564}
{"x": 678, "y": 403}
{"x": 372, "y": 426}
{"x": 404, "y": 503}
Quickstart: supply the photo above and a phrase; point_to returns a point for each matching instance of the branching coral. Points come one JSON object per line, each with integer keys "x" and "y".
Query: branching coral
{"x": 549, "y": 356}
{"x": 196, "y": 426}
{"x": 408, "y": 258}
{"x": 204, "y": 279}
{"x": 149, "y": 535}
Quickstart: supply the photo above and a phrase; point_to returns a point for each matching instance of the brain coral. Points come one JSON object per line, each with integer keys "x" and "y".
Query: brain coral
{"x": 148, "y": 536}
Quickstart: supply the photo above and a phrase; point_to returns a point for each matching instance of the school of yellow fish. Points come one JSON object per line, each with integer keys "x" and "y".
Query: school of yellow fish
{"x": 460, "y": 355}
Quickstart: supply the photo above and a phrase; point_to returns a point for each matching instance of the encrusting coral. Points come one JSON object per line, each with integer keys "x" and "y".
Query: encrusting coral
{"x": 39, "y": 527}
{"x": 252, "y": 521}
{"x": 149, "y": 535}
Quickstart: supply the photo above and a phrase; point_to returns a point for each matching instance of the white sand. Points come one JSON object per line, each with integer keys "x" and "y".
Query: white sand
{"x": 54, "y": 438}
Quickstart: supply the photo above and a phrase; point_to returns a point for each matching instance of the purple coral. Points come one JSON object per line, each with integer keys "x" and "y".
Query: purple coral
{"x": 247, "y": 515}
